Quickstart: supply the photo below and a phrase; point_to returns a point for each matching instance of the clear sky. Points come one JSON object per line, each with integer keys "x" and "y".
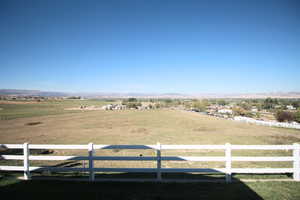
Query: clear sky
{"x": 150, "y": 46}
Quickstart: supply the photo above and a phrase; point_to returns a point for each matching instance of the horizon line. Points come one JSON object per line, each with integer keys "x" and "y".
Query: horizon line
{"x": 156, "y": 93}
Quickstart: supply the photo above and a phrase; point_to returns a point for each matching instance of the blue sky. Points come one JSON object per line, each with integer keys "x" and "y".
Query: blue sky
{"x": 233, "y": 46}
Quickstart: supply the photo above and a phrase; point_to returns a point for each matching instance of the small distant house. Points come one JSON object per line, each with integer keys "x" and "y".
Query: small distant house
{"x": 290, "y": 107}
{"x": 254, "y": 110}
{"x": 225, "y": 111}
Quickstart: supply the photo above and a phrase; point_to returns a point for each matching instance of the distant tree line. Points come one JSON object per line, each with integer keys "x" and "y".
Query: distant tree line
{"x": 74, "y": 97}
{"x": 131, "y": 103}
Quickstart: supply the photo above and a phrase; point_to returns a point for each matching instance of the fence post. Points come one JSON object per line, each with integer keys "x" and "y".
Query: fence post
{"x": 296, "y": 155}
{"x": 91, "y": 161}
{"x": 158, "y": 154}
{"x": 228, "y": 162}
{"x": 26, "y": 161}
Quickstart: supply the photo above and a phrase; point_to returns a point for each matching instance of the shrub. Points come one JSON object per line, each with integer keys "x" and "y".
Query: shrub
{"x": 249, "y": 114}
{"x": 74, "y": 97}
{"x": 257, "y": 115}
{"x": 283, "y": 116}
{"x": 132, "y": 100}
{"x": 168, "y": 101}
{"x": 133, "y": 104}
{"x": 239, "y": 111}
{"x": 221, "y": 102}
{"x": 246, "y": 106}
{"x": 297, "y": 117}
{"x": 157, "y": 105}
{"x": 296, "y": 104}
{"x": 199, "y": 105}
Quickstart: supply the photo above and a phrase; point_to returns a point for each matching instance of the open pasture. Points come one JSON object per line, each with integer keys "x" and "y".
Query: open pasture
{"x": 50, "y": 123}
{"x": 137, "y": 127}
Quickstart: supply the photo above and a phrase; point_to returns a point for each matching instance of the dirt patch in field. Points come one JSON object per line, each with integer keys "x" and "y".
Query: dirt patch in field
{"x": 282, "y": 139}
{"x": 139, "y": 130}
{"x": 33, "y": 123}
{"x": 108, "y": 126}
{"x": 203, "y": 129}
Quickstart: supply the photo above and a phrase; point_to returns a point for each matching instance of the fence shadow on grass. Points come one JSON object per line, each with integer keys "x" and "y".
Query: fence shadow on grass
{"x": 62, "y": 189}
{"x": 109, "y": 186}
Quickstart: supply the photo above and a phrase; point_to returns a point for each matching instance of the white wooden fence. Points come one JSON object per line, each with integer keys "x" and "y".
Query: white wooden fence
{"x": 267, "y": 123}
{"x": 228, "y": 159}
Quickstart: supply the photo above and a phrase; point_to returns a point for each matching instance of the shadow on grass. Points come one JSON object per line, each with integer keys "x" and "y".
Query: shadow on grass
{"x": 54, "y": 189}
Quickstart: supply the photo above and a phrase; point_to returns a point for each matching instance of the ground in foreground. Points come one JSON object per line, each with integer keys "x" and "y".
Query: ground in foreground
{"x": 152, "y": 191}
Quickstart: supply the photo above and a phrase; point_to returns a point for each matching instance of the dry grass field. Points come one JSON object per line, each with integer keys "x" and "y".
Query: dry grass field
{"x": 139, "y": 127}
{"x": 143, "y": 127}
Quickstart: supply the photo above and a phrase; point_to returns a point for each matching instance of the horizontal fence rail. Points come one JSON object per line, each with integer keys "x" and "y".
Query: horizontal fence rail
{"x": 91, "y": 148}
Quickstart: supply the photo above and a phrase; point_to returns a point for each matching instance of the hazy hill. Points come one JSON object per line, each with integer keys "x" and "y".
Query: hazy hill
{"x": 16, "y": 92}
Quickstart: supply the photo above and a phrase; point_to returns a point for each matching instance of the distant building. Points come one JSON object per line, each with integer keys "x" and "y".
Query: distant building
{"x": 290, "y": 107}
{"x": 225, "y": 111}
{"x": 254, "y": 110}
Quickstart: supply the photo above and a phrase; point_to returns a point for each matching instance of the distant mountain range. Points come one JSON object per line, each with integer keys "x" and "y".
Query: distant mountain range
{"x": 15, "y": 92}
